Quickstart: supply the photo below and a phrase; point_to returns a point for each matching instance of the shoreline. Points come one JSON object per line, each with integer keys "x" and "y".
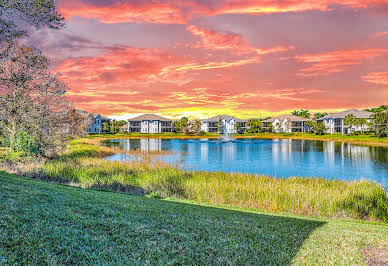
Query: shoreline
{"x": 341, "y": 138}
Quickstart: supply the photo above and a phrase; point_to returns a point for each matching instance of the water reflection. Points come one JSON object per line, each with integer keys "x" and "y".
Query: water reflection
{"x": 278, "y": 157}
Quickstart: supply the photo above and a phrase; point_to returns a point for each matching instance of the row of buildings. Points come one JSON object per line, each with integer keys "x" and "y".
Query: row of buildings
{"x": 151, "y": 123}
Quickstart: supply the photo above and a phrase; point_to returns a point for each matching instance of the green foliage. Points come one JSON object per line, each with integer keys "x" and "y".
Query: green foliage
{"x": 181, "y": 125}
{"x": 187, "y": 127}
{"x": 318, "y": 128}
{"x": 105, "y": 127}
{"x": 319, "y": 115}
{"x": 350, "y": 121}
{"x": 255, "y": 125}
{"x": 380, "y": 124}
{"x": 302, "y": 113}
{"x": 23, "y": 143}
{"x": 377, "y": 109}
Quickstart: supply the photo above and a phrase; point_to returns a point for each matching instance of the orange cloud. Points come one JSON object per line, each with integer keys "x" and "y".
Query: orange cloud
{"x": 214, "y": 40}
{"x": 214, "y": 65}
{"x": 336, "y": 61}
{"x": 124, "y": 11}
{"x": 376, "y": 77}
{"x": 381, "y": 34}
{"x": 180, "y": 12}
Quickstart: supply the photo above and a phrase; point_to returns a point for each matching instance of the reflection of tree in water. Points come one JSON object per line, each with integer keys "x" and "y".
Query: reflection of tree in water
{"x": 379, "y": 154}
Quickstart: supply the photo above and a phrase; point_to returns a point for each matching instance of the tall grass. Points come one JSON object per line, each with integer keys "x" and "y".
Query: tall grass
{"x": 82, "y": 165}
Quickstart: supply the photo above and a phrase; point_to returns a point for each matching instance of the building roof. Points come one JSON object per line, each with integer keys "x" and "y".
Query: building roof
{"x": 221, "y": 117}
{"x": 151, "y": 117}
{"x": 292, "y": 118}
{"x": 355, "y": 112}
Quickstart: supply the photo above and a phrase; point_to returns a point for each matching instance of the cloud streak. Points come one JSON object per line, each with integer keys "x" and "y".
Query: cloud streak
{"x": 335, "y": 61}
{"x": 376, "y": 77}
{"x": 180, "y": 12}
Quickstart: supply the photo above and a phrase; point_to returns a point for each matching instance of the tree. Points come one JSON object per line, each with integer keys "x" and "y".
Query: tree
{"x": 319, "y": 115}
{"x": 255, "y": 125}
{"x": 362, "y": 122}
{"x": 237, "y": 127}
{"x": 302, "y": 113}
{"x": 350, "y": 121}
{"x": 32, "y": 100}
{"x": 318, "y": 128}
{"x": 105, "y": 127}
{"x": 16, "y": 16}
{"x": 381, "y": 108}
{"x": 77, "y": 123}
{"x": 380, "y": 124}
{"x": 181, "y": 126}
{"x": 195, "y": 127}
{"x": 115, "y": 126}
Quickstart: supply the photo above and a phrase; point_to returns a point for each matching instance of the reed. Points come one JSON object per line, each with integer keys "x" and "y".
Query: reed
{"x": 82, "y": 165}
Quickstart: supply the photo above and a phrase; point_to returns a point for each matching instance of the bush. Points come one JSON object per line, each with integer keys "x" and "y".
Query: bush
{"x": 201, "y": 133}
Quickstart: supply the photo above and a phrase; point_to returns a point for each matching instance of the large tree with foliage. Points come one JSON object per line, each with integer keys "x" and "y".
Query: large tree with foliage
{"x": 350, "y": 121}
{"x": 32, "y": 100}
{"x": 18, "y": 16}
{"x": 318, "y": 128}
{"x": 255, "y": 125}
{"x": 380, "y": 124}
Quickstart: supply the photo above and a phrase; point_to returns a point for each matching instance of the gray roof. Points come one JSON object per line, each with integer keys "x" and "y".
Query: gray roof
{"x": 292, "y": 118}
{"x": 150, "y": 117}
{"x": 355, "y": 112}
{"x": 221, "y": 117}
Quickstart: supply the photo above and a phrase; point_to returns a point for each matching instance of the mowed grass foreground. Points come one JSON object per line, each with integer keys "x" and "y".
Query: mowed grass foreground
{"x": 45, "y": 223}
{"x": 82, "y": 166}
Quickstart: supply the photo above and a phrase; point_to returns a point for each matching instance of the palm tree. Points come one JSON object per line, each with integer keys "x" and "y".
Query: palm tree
{"x": 319, "y": 115}
{"x": 302, "y": 113}
{"x": 350, "y": 121}
{"x": 362, "y": 122}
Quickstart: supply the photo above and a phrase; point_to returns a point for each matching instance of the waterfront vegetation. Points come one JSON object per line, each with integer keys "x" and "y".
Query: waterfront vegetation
{"x": 45, "y": 223}
{"x": 82, "y": 165}
{"x": 366, "y": 139}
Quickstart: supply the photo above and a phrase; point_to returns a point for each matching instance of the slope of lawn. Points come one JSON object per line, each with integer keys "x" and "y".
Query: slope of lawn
{"x": 45, "y": 223}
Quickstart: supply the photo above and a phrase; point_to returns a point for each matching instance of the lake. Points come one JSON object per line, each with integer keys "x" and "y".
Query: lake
{"x": 276, "y": 157}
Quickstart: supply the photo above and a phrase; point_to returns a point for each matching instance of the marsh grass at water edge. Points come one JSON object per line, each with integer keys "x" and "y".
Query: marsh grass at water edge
{"x": 82, "y": 165}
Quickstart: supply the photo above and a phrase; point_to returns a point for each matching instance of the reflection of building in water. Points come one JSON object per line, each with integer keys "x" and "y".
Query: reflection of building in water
{"x": 229, "y": 151}
{"x": 329, "y": 152}
{"x": 354, "y": 152}
{"x": 281, "y": 150}
{"x": 150, "y": 144}
{"x": 204, "y": 151}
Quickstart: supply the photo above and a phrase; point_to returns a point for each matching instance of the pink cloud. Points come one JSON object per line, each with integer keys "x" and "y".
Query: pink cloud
{"x": 335, "y": 61}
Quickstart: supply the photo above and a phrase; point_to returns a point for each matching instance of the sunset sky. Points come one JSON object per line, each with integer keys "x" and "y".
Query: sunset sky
{"x": 201, "y": 58}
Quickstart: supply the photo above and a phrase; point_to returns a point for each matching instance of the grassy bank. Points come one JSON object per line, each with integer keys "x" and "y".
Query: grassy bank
{"x": 82, "y": 166}
{"x": 357, "y": 139}
{"x": 44, "y": 223}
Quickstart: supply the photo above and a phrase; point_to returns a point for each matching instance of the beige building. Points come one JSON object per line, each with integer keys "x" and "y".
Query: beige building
{"x": 286, "y": 124}
{"x": 150, "y": 123}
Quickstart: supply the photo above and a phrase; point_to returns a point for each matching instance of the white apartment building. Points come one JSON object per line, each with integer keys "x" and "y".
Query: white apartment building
{"x": 150, "y": 123}
{"x": 286, "y": 124}
{"x": 223, "y": 122}
{"x": 335, "y": 122}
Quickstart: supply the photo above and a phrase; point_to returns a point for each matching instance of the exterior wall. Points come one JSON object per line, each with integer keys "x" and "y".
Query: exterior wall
{"x": 150, "y": 126}
{"x": 230, "y": 126}
{"x": 98, "y": 124}
{"x": 205, "y": 126}
{"x": 336, "y": 125}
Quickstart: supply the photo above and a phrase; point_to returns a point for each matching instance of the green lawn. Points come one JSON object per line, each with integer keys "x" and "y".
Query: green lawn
{"x": 44, "y": 223}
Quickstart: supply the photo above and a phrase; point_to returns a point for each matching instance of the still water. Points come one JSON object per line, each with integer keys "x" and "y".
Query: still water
{"x": 278, "y": 157}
